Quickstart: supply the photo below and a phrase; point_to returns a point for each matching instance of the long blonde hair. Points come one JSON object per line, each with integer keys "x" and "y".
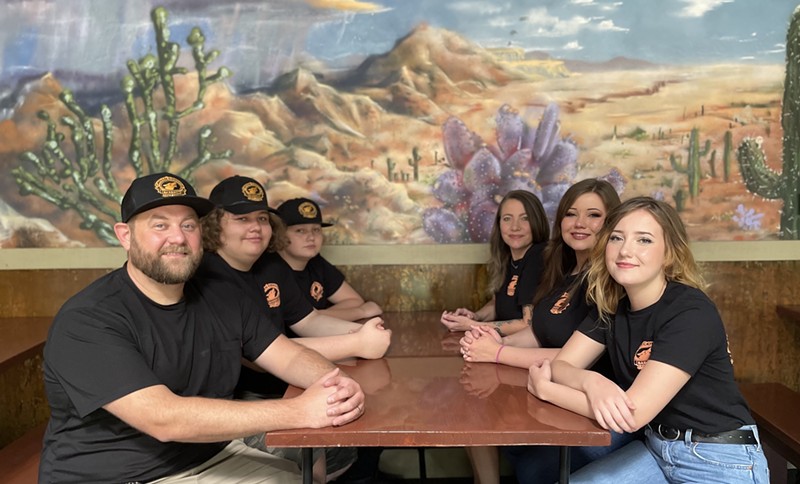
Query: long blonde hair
{"x": 679, "y": 263}
{"x": 499, "y": 251}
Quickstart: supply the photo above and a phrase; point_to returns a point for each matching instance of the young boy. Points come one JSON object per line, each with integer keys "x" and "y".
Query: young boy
{"x": 321, "y": 283}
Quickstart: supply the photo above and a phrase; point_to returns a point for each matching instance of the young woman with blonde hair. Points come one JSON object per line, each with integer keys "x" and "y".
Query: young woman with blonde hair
{"x": 672, "y": 370}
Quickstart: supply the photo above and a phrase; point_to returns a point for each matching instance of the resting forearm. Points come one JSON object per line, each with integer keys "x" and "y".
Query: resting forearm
{"x": 317, "y": 324}
{"x": 345, "y": 313}
{"x": 525, "y": 357}
{"x": 167, "y": 417}
{"x": 299, "y": 367}
{"x": 333, "y": 348}
{"x": 566, "y": 397}
{"x": 568, "y": 375}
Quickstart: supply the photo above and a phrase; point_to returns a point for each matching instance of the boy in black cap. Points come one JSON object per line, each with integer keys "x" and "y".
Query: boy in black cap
{"x": 236, "y": 236}
{"x": 320, "y": 281}
{"x": 140, "y": 366}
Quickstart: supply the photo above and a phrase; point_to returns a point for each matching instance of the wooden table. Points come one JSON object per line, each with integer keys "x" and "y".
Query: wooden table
{"x": 439, "y": 401}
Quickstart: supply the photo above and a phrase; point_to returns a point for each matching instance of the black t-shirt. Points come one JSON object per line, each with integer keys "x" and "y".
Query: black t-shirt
{"x": 683, "y": 329}
{"x": 319, "y": 281}
{"x": 269, "y": 293}
{"x": 275, "y": 279}
{"x": 558, "y": 315}
{"x": 111, "y": 340}
{"x": 522, "y": 279}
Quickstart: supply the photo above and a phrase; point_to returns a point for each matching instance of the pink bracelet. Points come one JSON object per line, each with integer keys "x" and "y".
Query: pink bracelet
{"x": 497, "y": 356}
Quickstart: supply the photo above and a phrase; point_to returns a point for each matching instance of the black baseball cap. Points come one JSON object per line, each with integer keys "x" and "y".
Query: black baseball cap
{"x": 159, "y": 189}
{"x": 299, "y": 211}
{"x": 240, "y": 195}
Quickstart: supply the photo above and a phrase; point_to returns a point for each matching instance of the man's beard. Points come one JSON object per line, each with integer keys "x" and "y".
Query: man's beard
{"x": 156, "y": 268}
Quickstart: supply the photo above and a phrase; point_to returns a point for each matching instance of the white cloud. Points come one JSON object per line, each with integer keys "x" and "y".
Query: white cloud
{"x": 547, "y": 25}
{"x": 573, "y": 45}
{"x": 608, "y": 7}
{"x": 608, "y": 25}
{"x": 481, "y": 8}
{"x": 698, "y": 8}
{"x": 582, "y": 2}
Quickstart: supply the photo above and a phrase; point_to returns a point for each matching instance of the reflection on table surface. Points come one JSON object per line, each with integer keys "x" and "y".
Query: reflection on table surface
{"x": 420, "y": 333}
{"x": 429, "y": 401}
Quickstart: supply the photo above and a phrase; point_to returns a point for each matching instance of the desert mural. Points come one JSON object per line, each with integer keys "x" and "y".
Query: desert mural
{"x": 407, "y": 120}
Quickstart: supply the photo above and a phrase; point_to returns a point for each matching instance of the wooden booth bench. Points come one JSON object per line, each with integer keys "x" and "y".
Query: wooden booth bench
{"x": 776, "y": 409}
{"x": 23, "y": 341}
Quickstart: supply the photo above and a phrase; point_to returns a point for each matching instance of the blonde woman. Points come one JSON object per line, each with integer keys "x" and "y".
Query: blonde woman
{"x": 673, "y": 372}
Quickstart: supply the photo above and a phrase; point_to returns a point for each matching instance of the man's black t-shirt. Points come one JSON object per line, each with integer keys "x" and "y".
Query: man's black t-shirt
{"x": 521, "y": 280}
{"x": 111, "y": 340}
{"x": 683, "y": 329}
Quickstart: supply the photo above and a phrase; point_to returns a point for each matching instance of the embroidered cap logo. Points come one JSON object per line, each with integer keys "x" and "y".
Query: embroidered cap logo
{"x": 307, "y": 210}
{"x": 169, "y": 186}
{"x": 253, "y": 192}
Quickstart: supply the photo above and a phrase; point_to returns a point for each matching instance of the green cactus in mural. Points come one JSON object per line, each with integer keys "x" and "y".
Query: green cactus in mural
{"x": 390, "y": 168}
{"x": 84, "y": 183}
{"x": 726, "y": 156}
{"x": 759, "y": 178}
{"x": 413, "y": 162}
{"x": 692, "y": 168}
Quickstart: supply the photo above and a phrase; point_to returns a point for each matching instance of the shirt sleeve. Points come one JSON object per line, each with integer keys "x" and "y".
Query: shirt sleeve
{"x": 332, "y": 277}
{"x": 685, "y": 339}
{"x": 95, "y": 357}
{"x": 594, "y": 328}
{"x": 294, "y": 306}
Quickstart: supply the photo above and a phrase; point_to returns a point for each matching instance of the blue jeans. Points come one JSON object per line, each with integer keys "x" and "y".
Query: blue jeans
{"x": 539, "y": 463}
{"x": 662, "y": 462}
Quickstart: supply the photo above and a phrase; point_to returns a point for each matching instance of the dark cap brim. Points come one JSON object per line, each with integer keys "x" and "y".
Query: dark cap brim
{"x": 242, "y": 208}
{"x": 201, "y": 206}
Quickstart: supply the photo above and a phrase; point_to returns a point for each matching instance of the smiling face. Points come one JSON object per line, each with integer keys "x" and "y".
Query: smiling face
{"x": 244, "y": 238}
{"x": 305, "y": 242}
{"x": 636, "y": 255}
{"x": 515, "y": 228}
{"x": 165, "y": 243}
{"x": 581, "y": 223}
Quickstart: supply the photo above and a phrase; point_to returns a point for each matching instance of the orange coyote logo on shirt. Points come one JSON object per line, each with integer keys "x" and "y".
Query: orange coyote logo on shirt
{"x": 273, "y": 294}
{"x": 561, "y": 304}
{"x": 512, "y": 286}
{"x": 317, "y": 290}
{"x": 642, "y": 354}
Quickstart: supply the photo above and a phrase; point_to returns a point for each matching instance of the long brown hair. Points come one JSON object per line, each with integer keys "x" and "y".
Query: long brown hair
{"x": 560, "y": 258}
{"x": 679, "y": 263}
{"x": 499, "y": 251}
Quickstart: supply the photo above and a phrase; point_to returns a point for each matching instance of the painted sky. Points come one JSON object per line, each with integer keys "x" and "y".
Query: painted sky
{"x": 260, "y": 39}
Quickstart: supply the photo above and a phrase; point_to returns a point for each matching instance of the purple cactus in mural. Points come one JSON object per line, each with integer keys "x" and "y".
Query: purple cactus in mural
{"x": 525, "y": 158}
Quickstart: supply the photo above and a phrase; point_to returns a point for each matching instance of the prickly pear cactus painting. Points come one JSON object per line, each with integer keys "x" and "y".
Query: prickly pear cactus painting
{"x": 529, "y": 158}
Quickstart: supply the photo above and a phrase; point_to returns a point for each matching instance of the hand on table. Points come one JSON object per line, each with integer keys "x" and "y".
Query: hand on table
{"x": 480, "y": 344}
{"x": 539, "y": 375}
{"x": 612, "y": 407}
{"x": 334, "y": 399}
{"x": 459, "y": 320}
{"x": 374, "y": 339}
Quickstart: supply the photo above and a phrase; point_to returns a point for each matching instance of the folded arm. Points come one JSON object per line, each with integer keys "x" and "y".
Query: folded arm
{"x": 348, "y": 304}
